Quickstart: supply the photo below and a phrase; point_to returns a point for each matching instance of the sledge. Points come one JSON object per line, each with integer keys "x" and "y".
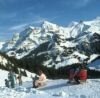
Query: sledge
{"x": 44, "y": 85}
{"x": 41, "y": 87}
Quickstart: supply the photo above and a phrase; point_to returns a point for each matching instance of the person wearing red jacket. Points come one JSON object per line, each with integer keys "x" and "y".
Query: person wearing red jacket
{"x": 81, "y": 76}
{"x": 78, "y": 74}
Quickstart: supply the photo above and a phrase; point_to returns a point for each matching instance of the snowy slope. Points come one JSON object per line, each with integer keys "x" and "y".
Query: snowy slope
{"x": 94, "y": 25}
{"x": 54, "y": 89}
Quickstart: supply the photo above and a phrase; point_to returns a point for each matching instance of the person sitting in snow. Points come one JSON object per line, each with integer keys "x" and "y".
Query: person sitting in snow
{"x": 39, "y": 81}
{"x": 7, "y": 83}
{"x": 78, "y": 74}
{"x": 19, "y": 79}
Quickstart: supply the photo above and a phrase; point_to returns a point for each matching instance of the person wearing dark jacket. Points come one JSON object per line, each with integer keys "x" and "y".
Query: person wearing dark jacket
{"x": 11, "y": 79}
{"x": 81, "y": 76}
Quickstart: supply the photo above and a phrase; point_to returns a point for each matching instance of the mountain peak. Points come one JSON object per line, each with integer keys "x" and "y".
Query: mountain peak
{"x": 31, "y": 27}
{"x": 47, "y": 23}
{"x": 73, "y": 23}
{"x": 48, "y": 26}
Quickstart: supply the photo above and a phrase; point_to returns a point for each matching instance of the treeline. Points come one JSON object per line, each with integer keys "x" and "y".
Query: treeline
{"x": 12, "y": 64}
{"x": 34, "y": 64}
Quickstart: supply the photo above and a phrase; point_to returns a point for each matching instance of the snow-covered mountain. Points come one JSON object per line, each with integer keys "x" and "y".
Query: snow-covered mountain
{"x": 58, "y": 46}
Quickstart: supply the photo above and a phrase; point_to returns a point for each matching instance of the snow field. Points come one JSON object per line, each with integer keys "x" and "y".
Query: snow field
{"x": 53, "y": 89}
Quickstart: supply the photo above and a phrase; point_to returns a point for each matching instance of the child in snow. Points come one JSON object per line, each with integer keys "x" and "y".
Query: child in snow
{"x": 7, "y": 83}
{"x": 78, "y": 74}
{"x": 34, "y": 80}
{"x": 41, "y": 80}
{"x": 19, "y": 79}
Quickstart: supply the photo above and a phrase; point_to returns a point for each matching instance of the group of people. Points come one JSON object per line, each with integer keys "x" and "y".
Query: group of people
{"x": 77, "y": 74}
{"x": 12, "y": 80}
{"x": 37, "y": 80}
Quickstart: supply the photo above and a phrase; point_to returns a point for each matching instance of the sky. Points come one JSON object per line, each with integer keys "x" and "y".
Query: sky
{"x": 15, "y": 15}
